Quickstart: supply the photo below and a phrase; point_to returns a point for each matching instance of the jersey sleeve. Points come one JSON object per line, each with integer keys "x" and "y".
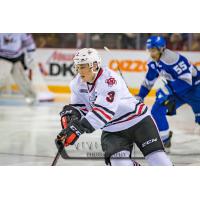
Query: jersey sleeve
{"x": 149, "y": 81}
{"x": 75, "y": 100}
{"x": 104, "y": 107}
{"x": 28, "y": 42}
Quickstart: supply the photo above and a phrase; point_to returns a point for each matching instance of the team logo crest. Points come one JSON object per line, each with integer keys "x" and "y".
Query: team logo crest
{"x": 93, "y": 97}
{"x": 8, "y": 39}
{"x": 111, "y": 81}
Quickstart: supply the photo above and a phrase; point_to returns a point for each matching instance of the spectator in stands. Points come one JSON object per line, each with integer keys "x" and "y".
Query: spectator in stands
{"x": 128, "y": 40}
{"x": 40, "y": 41}
{"x": 80, "y": 40}
{"x": 47, "y": 40}
{"x": 176, "y": 42}
{"x": 196, "y": 42}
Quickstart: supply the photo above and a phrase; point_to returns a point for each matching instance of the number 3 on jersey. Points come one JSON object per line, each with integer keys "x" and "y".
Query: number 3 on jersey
{"x": 110, "y": 96}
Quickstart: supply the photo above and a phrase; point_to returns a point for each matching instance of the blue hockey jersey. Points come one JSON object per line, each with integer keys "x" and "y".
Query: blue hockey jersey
{"x": 179, "y": 73}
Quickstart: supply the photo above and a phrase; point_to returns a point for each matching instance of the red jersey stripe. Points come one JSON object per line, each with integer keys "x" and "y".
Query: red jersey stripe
{"x": 103, "y": 113}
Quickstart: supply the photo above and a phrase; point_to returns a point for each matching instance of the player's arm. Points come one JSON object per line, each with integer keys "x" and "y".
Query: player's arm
{"x": 29, "y": 45}
{"x": 28, "y": 42}
{"x": 71, "y": 119}
{"x": 102, "y": 112}
{"x": 149, "y": 81}
{"x": 76, "y": 102}
{"x": 75, "y": 110}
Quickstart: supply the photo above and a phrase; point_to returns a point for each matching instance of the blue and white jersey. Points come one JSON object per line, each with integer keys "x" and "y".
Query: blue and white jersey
{"x": 180, "y": 74}
{"x": 12, "y": 45}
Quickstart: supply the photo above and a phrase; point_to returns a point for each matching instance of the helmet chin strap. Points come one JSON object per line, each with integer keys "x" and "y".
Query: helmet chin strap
{"x": 95, "y": 71}
{"x": 161, "y": 51}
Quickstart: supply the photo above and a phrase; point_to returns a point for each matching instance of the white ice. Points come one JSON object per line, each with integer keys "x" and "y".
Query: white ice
{"x": 27, "y": 137}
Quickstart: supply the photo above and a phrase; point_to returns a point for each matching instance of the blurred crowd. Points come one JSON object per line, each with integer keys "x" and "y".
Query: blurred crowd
{"x": 175, "y": 41}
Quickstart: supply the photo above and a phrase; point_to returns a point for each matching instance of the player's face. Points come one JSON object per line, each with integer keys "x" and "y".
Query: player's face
{"x": 85, "y": 72}
{"x": 154, "y": 53}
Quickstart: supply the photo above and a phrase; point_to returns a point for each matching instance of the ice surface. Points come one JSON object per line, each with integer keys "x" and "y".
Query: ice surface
{"x": 27, "y": 137}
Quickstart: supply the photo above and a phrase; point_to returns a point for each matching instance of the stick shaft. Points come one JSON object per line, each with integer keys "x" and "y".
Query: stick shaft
{"x": 108, "y": 50}
{"x": 56, "y": 159}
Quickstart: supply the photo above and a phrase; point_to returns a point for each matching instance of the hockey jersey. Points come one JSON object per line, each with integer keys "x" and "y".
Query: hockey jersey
{"x": 107, "y": 103}
{"x": 180, "y": 74}
{"x": 12, "y": 45}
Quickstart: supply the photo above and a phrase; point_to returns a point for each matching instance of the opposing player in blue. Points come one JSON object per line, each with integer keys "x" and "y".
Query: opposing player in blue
{"x": 182, "y": 84}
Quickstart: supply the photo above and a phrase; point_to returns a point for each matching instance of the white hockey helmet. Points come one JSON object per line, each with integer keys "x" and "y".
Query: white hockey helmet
{"x": 87, "y": 56}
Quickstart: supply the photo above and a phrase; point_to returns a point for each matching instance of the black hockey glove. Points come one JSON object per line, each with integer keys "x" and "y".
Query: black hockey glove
{"x": 70, "y": 135}
{"x": 171, "y": 106}
{"x": 68, "y": 114}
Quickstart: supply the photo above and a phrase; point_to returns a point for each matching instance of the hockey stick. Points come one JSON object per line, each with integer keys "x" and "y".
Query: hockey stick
{"x": 60, "y": 146}
{"x": 61, "y": 152}
{"x": 120, "y": 72}
{"x": 56, "y": 159}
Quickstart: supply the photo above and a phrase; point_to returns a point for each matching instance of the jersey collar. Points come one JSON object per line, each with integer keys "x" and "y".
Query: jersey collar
{"x": 95, "y": 80}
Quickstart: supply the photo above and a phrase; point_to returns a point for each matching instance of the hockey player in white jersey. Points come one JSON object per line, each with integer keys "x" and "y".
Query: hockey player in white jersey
{"x": 101, "y": 100}
{"x": 14, "y": 48}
